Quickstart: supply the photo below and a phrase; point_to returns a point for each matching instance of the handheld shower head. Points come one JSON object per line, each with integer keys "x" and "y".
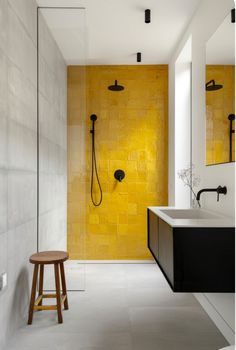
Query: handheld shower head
{"x": 231, "y": 117}
{"x": 93, "y": 117}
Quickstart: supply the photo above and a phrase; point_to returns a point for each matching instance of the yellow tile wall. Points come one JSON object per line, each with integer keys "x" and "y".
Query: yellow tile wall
{"x": 219, "y": 104}
{"x": 131, "y": 134}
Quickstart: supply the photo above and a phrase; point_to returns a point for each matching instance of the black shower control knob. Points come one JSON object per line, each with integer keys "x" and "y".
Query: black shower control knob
{"x": 119, "y": 175}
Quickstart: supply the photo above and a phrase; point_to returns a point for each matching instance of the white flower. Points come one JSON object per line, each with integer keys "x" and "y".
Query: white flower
{"x": 189, "y": 179}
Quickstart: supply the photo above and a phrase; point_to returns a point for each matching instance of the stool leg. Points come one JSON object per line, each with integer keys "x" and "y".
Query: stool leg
{"x": 63, "y": 283}
{"x": 41, "y": 275}
{"x": 58, "y": 292}
{"x": 33, "y": 293}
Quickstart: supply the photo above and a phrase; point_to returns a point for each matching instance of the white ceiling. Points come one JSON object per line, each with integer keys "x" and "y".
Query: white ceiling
{"x": 68, "y": 28}
{"x": 114, "y": 30}
{"x": 220, "y": 48}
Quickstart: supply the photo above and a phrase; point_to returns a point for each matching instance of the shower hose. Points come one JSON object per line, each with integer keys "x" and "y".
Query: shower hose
{"x": 95, "y": 172}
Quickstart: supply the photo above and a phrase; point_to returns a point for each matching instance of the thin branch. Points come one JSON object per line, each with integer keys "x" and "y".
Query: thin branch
{"x": 190, "y": 180}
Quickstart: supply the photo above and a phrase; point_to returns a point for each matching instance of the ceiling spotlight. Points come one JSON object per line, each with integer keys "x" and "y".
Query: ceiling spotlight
{"x": 139, "y": 58}
{"x": 233, "y": 16}
{"x": 147, "y": 16}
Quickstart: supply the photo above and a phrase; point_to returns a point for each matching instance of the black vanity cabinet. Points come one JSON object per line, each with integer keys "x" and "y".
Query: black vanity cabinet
{"x": 193, "y": 259}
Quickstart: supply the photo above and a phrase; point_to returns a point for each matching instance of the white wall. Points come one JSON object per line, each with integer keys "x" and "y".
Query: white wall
{"x": 183, "y": 72}
{"x": 204, "y": 23}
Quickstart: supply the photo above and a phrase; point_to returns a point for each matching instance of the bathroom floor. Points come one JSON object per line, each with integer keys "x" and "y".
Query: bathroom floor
{"x": 124, "y": 307}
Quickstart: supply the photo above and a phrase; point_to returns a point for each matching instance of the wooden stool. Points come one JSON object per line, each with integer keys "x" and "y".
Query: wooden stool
{"x": 44, "y": 258}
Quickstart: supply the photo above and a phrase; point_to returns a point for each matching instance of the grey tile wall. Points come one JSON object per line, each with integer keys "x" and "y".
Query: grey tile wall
{"x": 18, "y": 159}
{"x": 18, "y": 154}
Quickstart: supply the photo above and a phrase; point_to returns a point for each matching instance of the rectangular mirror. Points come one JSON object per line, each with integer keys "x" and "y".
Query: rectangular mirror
{"x": 220, "y": 95}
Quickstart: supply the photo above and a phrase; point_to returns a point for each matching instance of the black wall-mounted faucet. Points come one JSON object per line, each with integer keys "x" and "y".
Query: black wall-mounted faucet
{"x": 219, "y": 190}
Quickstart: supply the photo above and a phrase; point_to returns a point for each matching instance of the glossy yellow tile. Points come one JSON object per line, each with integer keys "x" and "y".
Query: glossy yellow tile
{"x": 131, "y": 134}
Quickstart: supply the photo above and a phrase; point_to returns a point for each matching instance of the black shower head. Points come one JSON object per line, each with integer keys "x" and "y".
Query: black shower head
{"x": 93, "y": 117}
{"x": 212, "y": 86}
{"x": 116, "y": 87}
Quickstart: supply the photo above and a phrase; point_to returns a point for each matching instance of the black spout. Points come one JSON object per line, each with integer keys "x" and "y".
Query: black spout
{"x": 219, "y": 190}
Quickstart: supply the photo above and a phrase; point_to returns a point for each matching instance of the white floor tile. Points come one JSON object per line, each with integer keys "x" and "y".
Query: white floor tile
{"x": 157, "y": 341}
{"x": 124, "y": 307}
{"x": 75, "y": 276}
{"x": 144, "y": 276}
{"x": 172, "y": 320}
{"x": 163, "y": 297}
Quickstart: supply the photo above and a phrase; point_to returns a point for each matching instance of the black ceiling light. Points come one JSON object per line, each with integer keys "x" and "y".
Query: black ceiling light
{"x": 147, "y": 16}
{"x": 139, "y": 57}
{"x": 233, "y": 16}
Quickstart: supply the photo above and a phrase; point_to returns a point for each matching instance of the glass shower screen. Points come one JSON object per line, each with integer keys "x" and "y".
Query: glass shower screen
{"x": 61, "y": 43}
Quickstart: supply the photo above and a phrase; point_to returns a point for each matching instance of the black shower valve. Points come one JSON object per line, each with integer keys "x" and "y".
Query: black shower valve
{"x": 119, "y": 175}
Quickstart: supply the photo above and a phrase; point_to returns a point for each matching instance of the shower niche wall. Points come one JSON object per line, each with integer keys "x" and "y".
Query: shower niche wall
{"x": 61, "y": 41}
{"x": 131, "y": 134}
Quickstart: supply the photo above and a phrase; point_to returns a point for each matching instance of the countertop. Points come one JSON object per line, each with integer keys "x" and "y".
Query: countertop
{"x": 219, "y": 221}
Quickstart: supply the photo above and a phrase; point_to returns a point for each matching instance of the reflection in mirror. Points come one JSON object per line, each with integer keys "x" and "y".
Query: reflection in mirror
{"x": 220, "y": 95}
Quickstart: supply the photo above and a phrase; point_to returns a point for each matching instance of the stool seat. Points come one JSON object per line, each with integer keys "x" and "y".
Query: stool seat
{"x": 50, "y": 257}
{"x": 56, "y": 258}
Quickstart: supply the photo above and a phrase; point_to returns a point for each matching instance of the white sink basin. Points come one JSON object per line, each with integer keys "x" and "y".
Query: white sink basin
{"x": 189, "y": 214}
{"x": 192, "y": 217}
